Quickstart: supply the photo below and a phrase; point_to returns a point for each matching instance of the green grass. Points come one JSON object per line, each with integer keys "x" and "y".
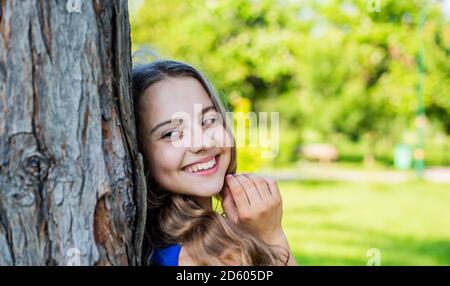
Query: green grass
{"x": 336, "y": 223}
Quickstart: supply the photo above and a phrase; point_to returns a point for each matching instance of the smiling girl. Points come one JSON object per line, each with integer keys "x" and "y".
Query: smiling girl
{"x": 183, "y": 176}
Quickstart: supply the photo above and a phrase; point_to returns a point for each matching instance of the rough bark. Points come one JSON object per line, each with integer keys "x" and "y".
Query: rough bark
{"x": 71, "y": 180}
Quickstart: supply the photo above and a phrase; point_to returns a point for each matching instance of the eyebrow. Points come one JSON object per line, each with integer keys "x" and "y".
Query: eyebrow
{"x": 161, "y": 124}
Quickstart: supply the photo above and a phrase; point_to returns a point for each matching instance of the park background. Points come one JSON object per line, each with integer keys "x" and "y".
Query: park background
{"x": 363, "y": 93}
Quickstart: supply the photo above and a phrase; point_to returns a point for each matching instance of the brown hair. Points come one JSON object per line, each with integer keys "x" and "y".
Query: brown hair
{"x": 174, "y": 218}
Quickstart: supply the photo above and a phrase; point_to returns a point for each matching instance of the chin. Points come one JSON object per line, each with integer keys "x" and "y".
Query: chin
{"x": 207, "y": 191}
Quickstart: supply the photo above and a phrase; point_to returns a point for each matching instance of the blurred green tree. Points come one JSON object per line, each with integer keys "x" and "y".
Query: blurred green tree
{"x": 335, "y": 67}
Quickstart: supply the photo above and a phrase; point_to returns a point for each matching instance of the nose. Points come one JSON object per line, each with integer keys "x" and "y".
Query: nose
{"x": 207, "y": 141}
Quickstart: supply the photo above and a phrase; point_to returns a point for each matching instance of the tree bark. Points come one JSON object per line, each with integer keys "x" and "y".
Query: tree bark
{"x": 72, "y": 189}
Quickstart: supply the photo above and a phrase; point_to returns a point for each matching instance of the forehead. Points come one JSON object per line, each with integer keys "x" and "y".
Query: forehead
{"x": 171, "y": 95}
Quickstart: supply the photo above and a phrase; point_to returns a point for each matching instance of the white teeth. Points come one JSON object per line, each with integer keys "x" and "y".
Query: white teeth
{"x": 202, "y": 166}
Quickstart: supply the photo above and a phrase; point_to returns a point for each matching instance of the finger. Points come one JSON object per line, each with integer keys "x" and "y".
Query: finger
{"x": 254, "y": 196}
{"x": 273, "y": 187}
{"x": 227, "y": 195}
{"x": 239, "y": 195}
{"x": 261, "y": 185}
{"x": 228, "y": 206}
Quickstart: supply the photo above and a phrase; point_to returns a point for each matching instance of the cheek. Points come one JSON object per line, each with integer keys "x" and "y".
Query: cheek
{"x": 225, "y": 141}
{"x": 165, "y": 159}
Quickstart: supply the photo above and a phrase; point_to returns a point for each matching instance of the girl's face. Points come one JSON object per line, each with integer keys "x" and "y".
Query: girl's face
{"x": 184, "y": 139}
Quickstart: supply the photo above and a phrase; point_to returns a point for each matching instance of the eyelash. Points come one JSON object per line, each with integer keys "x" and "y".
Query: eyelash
{"x": 212, "y": 118}
{"x": 165, "y": 135}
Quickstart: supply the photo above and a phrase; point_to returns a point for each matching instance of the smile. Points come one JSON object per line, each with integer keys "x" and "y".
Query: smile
{"x": 204, "y": 169}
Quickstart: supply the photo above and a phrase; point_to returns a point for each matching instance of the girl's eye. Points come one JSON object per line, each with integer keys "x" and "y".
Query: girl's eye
{"x": 172, "y": 135}
{"x": 211, "y": 120}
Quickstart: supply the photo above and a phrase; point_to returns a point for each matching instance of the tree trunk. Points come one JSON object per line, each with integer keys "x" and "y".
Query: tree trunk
{"x": 72, "y": 189}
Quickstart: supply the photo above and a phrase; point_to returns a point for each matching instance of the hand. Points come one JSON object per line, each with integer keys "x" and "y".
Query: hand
{"x": 255, "y": 201}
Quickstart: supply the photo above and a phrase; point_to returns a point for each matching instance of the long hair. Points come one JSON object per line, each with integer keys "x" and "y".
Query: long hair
{"x": 174, "y": 218}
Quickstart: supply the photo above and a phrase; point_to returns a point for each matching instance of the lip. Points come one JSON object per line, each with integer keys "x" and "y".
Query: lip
{"x": 208, "y": 172}
{"x": 203, "y": 160}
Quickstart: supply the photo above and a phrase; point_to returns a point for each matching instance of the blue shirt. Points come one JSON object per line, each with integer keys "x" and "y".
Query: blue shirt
{"x": 167, "y": 256}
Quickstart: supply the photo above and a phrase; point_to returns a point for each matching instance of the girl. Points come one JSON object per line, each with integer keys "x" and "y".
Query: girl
{"x": 173, "y": 100}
